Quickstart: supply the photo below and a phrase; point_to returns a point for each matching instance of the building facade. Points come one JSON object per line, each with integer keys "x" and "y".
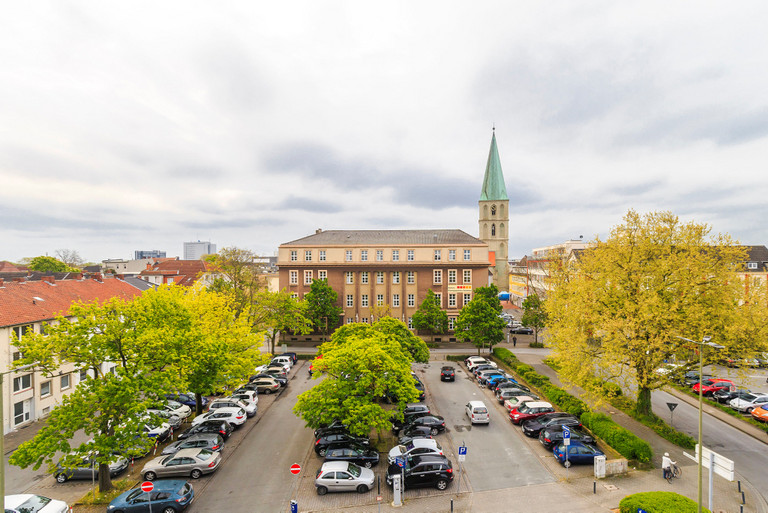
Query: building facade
{"x": 141, "y": 254}
{"x": 494, "y": 218}
{"x": 197, "y": 250}
{"x": 386, "y": 272}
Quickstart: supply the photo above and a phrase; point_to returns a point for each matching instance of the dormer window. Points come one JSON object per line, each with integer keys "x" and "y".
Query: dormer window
{"x": 752, "y": 265}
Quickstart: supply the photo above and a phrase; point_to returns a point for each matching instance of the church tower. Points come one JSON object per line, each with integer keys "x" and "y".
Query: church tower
{"x": 494, "y": 218}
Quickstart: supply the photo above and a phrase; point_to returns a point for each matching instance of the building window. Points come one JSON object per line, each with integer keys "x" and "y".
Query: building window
{"x": 467, "y": 276}
{"x": 451, "y": 275}
{"x": 379, "y": 255}
{"x": 395, "y": 255}
{"x": 322, "y": 275}
{"x": 294, "y": 278}
{"x": 350, "y": 301}
{"x": 411, "y": 300}
{"x": 379, "y": 299}
{"x": 395, "y": 299}
{"x": 411, "y": 277}
{"x": 350, "y": 320}
{"x": 439, "y": 299}
{"x": 410, "y": 255}
{"x": 493, "y": 210}
{"x": 307, "y": 255}
{"x": 493, "y": 230}
{"x": 350, "y": 277}
{"x": 46, "y": 411}
{"x": 451, "y": 254}
{"x": 380, "y": 277}
{"x": 83, "y": 375}
{"x": 45, "y": 389}
{"x": 438, "y": 255}
{"x": 348, "y": 254}
{"x": 410, "y": 323}
{"x": 21, "y": 412}
{"x": 22, "y": 382}
{"x": 16, "y": 356}
{"x": 65, "y": 382}
{"x": 307, "y": 277}
{"x": 321, "y": 257}
{"x": 467, "y": 299}
{"x": 364, "y": 301}
{"x": 364, "y": 255}
{"x": 467, "y": 254}
{"x": 364, "y": 320}
{"x": 752, "y": 265}
{"x": 396, "y": 277}
{"x": 364, "y": 277}
{"x": 294, "y": 255}
{"x": 452, "y": 300}
{"x": 294, "y": 295}
{"x": 20, "y": 331}
{"x": 437, "y": 277}
{"x": 450, "y": 323}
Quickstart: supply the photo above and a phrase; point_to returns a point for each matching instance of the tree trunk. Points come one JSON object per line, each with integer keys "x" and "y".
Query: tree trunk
{"x": 198, "y": 403}
{"x": 644, "y": 406}
{"x": 105, "y": 482}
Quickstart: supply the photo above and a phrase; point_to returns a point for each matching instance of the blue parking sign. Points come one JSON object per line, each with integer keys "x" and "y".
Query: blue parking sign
{"x": 400, "y": 461}
{"x": 463, "y": 450}
{"x": 566, "y": 433}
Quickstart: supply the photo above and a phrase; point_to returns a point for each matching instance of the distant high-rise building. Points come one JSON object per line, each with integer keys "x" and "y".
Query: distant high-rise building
{"x": 142, "y": 254}
{"x": 195, "y": 250}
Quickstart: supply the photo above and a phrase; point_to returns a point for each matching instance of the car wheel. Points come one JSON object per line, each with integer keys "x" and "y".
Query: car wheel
{"x": 270, "y": 391}
{"x": 567, "y": 464}
{"x": 368, "y": 464}
{"x": 150, "y": 476}
{"x": 61, "y": 478}
{"x": 441, "y": 484}
{"x": 169, "y": 509}
{"x": 749, "y": 411}
{"x": 322, "y": 452}
{"x": 322, "y": 490}
{"x": 196, "y": 473}
{"x": 433, "y": 431}
{"x": 362, "y": 489}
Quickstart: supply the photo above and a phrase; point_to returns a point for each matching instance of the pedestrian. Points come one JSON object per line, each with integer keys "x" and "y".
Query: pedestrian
{"x": 666, "y": 465}
{"x": 514, "y": 341}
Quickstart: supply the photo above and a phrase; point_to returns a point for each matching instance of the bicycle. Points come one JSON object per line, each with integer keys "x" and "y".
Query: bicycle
{"x": 674, "y": 472}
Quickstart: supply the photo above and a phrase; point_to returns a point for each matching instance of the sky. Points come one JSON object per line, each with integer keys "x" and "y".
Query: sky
{"x": 141, "y": 125}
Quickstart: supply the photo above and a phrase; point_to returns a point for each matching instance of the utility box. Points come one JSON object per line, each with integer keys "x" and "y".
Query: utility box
{"x": 397, "y": 491}
{"x": 599, "y": 467}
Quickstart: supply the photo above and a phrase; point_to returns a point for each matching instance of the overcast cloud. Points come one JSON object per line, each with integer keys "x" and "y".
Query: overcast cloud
{"x": 141, "y": 125}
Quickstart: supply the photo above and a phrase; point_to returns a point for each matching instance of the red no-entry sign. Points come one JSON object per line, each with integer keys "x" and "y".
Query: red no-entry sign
{"x": 147, "y": 486}
{"x": 295, "y": 468}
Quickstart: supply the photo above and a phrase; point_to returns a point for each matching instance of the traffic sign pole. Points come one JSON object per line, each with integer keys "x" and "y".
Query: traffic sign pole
{"x": 147, "y": 487}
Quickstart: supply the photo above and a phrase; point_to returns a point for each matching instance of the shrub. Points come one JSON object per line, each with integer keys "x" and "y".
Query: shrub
{"x": 658, "y": 502}
{"x": 625, "y": 442}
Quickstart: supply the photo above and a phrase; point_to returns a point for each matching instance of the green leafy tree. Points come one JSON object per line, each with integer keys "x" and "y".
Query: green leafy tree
{"x": 430, "y": 317}
{"x": 236, "y": 273}
{"x": 479, "y": 319}
{"x": 321, "y": 307}
{"x": 278, "y": 312}
{"x": 48, "y": 264}
{"x": 391, "y": 328}
{"x": 617, "y": 313}
{"x": 534, "y": 315}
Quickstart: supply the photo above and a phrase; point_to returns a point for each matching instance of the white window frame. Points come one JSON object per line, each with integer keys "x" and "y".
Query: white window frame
{"x": 294, "y": 295}
{"x": 294, "y": 255}
{"x": 25, "y": 414}
{"x": 450, "y": 323}
{"x": 364, "y": 277}
{"x": 437, "y": 276}
{"x": 439, "y": 296}
{"x": 321, "y": 255}
{"x": 467, "y": 254}
{"x": 411, "y": 255}
{"x": 293, "y": 277}
{"x": 379, "y": 299}
{"x": 322, "y": 275}
{"x": 379, "y": 255}
{"x": 348, "y": 255}
{"x": 308, "y": 277}
{"x": 363, "y": 255}
{"x": 410, "y": 277}
{"x": 410, "y": 323}
{"x": 380, "y": 277}
{"x": 411, "y": 300}
{"x": 451, "y": 276}
{"x": 350, "y": 301}
{"x": 65, "y": 382}
{"x": 396, "y": 277}
{"x": 467, "y": 298}
{"x": 364, "y": 300}
{"x": 451, "y": 254}
{"x": 46, "y": 388}
{"x": 396, "y": 300}
{"x": 395, "y": 255}
{"x": 22, "y": 383}
{"x": 452, "y": 300}
{"x": 350, "y": 277}
{"x": 467, "y": 276}
{"x": 350, "y": 320}
{"x": 751, "y": 265}
{"x": 307, "y": 255}
{"x": 438, "y": 255}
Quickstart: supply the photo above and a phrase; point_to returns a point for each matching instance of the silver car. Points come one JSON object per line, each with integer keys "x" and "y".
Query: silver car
{"x": 210, "y": 441}
{"x": 343, "y": 476}
{"x": 87, "y": 468}
{"x": 187, "y": 462}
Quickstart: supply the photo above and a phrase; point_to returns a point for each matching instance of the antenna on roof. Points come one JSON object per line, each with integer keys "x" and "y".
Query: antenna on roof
{"x": 494, "y": 127}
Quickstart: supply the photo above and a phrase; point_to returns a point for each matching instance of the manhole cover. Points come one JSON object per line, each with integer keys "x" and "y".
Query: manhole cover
{"x": 611, "y": 487}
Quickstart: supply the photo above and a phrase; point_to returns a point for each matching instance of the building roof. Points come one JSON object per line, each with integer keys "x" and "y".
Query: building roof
{"x": 387, "y": 238}
{"x": 494, "y": 188}
{"x": 25, "y": 302}
{"x": 185, "y": 272}
{"x": 759, "y": 255}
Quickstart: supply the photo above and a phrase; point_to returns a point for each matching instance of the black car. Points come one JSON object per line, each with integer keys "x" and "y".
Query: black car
{"x": 514, "y": 392}
{"x": 424, "y": 470}
{"x": 521, "y": 330}
{"x": 690, "y": 378}
{"x": 334, "y": 427}
{"x": 533, "y": 426}
{"x": 411, "y": 411}
{"x": 483, "y": 367}
{"x": 358, "y": 454}
{"x": 510, "y": 384}
{"x": 332, "y": 440}
{"x": 724, "y": 395}
{"x": 221, "y": 427}
{"x": 414, "y": 432}
{"x": 435, "y": 423}
{"x": 422, "y": 390}
{"x": 447, "y": 373}
{"x": 553, "y": 435}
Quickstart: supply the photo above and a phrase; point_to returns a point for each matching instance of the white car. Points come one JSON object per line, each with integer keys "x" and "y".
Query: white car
{"x": 251, "y": 405}
{"x": 235, "y": 416}
{"x": 250, "y": 396}
{"x": 180, "y": 410}
{"x": 29, "y": 503}
{"x": 283, "y": 360}
{"x": 415, "y": 447}
{"x": 748, "y": 402}
{"x": 474, "y": 360}
{"x": 513, "y": 402}
{"x": 232, "y": 402}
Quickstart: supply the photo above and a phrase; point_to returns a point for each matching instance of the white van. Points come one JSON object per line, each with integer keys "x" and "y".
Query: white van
{"x": 477, "y": 412}
{"x": 285, "y": 361}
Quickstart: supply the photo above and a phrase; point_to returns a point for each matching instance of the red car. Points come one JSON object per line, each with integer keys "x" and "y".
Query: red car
{"x": 710, "y": 386}
{"x": 312, "y": 364}
{"x": 529, "y": 410}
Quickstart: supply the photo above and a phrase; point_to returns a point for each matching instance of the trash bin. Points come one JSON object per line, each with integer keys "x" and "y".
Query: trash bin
{"x": 599, "y": 467}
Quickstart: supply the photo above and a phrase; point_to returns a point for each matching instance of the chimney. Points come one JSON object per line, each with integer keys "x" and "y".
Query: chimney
{"x": 48, "y": 279}
{"x": 319, "y": 230}
{"x": 1, "y": 282}
{"x": 98, "y": 277}
{"x": 77, "y": 276}
{"x": 120, "y": 277}
{"x": 149, "y": 266}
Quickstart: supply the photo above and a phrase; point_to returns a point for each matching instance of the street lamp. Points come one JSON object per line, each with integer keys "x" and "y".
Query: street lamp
{"x": 704, "y": 342}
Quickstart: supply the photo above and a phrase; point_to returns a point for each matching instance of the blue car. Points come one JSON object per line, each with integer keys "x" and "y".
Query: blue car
{"x": 168, "y": 496}
{"x": 578, "y": 453}
{"x": 188, "y": 399}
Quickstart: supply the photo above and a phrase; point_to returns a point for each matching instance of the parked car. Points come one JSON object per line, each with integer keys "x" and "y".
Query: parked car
{"x": 235, "y": 416}
{"x": 553, "y": 435}
{"x": 250, "y": 400}
{"x": 211, "y": 441}
{"x": 415, "y": 447}
{"x": 411, "y": 410}
{"x": 421, "y": 389}
{"x": 293, "y": 356}
{"x": 332, "y": 440}
{"x": 760, "y": 413}
{"x": 167, "y": 496}
{"x": 532, "y": 427}
{"x": 223, "y": 428}
{"x": 409, "y": 417}
{"x": 484, "y": 376}
{"x": 517, "y": 401}
{"x": 158, "y": 431}
{"x": 188, "y": 399}
{"x": 272, "y": 373}
{"x": 521, "y": 330}
{"x": 477, "y": 413}
{"x": 517, "y": 394}
{"x": 741, "y": 362}
{"x": 358, "y": 454}
{"x": 749, "y": 402}
{"x": 494, "y": 381}
{"x": 336, "y": 426}
{"x": 474, "y": 360}
{"x": 427, "y": 470}
{"x": 87, "y": 468}
{"x": 529, "y": 410}
{"x": 724, "y": 395}
{"x": 283, "y": 360}
{"x": 263, "y": 386}
{"x": 30, "y": 503}
{"x": 174, "y": 421}
{"x": 343, "y": 476}
{"x": 578, "y": 453}
{"x": 187, "y": 462}
{"x": 690, "y": 378}
{"x": 413, "y": 433}
{"x": 435, "y": 423}
{"x": 486, "y": 366}
{"x": 227, "y": 402}
{"x": 447, "y": 373}
{"x": 503, "y": 386}
{"x": 711, "y": 386}
{"x": 176, "y": 408}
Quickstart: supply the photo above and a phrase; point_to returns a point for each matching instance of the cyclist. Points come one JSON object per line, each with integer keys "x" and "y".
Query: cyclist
{"x": 666, "y": 466}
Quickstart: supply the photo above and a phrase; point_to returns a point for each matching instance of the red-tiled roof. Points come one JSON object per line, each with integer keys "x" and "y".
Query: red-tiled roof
{"x": 185, "y": 272}
{"x": 31, "y": 301}
{"x": 6, "y": 266}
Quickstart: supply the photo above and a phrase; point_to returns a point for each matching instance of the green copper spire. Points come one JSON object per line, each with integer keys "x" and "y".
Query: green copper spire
{"x": 493, "y": 183}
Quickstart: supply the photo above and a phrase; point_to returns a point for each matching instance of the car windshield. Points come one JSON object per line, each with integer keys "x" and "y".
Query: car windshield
{"x": 204, "y": 454}
{"x": 749, "y": 397}
{"x": 174, "y": 404}
{"x": 354, "y": 470}
{"x": 33, "y": 504}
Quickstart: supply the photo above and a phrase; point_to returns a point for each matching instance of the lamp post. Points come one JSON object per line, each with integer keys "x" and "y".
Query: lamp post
{"x": 704, "y": 342}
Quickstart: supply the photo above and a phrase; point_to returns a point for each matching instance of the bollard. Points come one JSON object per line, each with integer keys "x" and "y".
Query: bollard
{"x": 294, "y": 507}
{"x": 594, "y": 487}
{"x": 739, "y": 483}
{"x": 743, "y": 499}
{"x": 741, "y": 509}
{"x": 451, "y": 505}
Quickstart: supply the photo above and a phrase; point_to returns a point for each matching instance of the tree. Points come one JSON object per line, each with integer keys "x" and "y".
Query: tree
{"x": 70, "y": 257}
{"x": 236, "y": 273}
{"x": 321, "y": 307}
{"x": 392, "y": 328}
{"x": 534, "y": 315}
{"x": 278, "y": 312}
{"x": 47, "y": 264}
{"x": 479, "y": 319}
{"x": 430, "y": 317}
{"x": 617, "y": 314}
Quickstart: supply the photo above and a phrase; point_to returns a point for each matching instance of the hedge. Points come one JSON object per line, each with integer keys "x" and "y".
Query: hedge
{"x": 659, "y": 502}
